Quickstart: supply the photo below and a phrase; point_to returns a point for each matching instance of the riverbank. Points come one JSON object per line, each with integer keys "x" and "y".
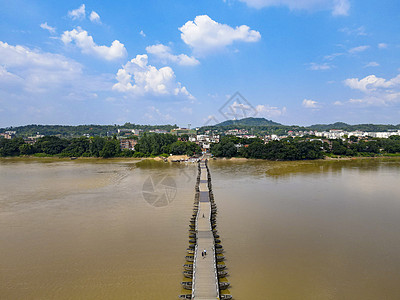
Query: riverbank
{"x": 180, "y": 158}
{"x": 171, "y": 158}
{"x": 243, "y": 159}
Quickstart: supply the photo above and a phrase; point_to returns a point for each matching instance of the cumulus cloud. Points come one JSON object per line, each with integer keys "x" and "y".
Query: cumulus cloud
{"x": 338, "y": 7}
{"x": 94, "y": 17}
{"x": 270, "y": 111}
{"x": 142, "y": 33}
{"x": 78, "y": 14}
{"x": 307, "y": 103}
{"x": 358, "y": 49}
{"x": 88, "y": 46}
{"x": 371, "y": 83}
{"x": 42, "y": 72}
{"x": 377, "y": 91}
{"x": 137, "y": 78}
{"x": 48, "y": 27}
{"x": 164, "y": 54}
{"x": 205, "y": 35}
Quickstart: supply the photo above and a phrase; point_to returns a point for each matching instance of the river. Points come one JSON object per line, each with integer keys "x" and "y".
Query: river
{"x": 95, "y": 229}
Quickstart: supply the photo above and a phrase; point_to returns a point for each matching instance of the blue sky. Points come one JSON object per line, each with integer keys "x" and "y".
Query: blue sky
{"x": 178, "y": 62}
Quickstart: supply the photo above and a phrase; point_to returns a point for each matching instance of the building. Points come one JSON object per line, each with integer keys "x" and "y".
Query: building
{"x": 129, "y": 131}
{"x": 128, "y": 144}
{"x": 31, "y": 140}
{"x": 182, "y": 131}
{"x": 158, "y": 131}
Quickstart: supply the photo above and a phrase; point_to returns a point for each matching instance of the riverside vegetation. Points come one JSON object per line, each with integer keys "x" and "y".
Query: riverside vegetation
{"x": 150, "y": 145}
{"x": 303, "y": 149}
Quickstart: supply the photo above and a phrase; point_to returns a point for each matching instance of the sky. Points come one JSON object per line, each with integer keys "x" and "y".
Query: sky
{"x": 296, "y": 62}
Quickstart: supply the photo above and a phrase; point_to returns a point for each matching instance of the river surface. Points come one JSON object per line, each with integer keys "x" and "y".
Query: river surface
{"x": 117, "y": 229}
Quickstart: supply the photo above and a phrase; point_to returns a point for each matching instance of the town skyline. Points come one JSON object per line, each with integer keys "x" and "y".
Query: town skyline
{"x": 297, "y": 63}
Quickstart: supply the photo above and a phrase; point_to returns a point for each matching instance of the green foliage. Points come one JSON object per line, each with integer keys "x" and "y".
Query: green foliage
{"x": 184, "y": 148}
{"x": 111, "y": 149}
{"x": 225, "y": 148}
{"x": 155, "y": 144}
{"x": 77, "y": 147}
{"x": 96, "y": 145}
{"x": 80, "y": 130}
{"x": 10, "y": 147}
{"x": 26, "y": 149}
{"x": 51, "y": 145}
{"x": 288, "y": 149}
{"x": 248, "y": 122}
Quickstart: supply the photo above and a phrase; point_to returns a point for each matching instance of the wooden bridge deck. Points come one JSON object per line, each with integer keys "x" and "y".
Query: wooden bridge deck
{"x": 205, "y": 280}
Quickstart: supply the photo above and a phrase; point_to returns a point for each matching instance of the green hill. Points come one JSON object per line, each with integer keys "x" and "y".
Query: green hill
{"x": 249, "y": 122}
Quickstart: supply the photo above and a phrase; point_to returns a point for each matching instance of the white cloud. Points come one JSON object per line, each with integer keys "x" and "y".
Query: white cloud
{"x": 164, "y": 54}
{"x": 43, "y": 87}
{"x": 137, "y": 78}
{"x": 360, "y": 31}
{"x": 370, "y": 83}
{"x": 378, "y": 91}
{"x": 7, "y": 78}
{"x": 88, "y": 46}
{"x": 338, "y": 7}
{"x": 358, "y": 49}
{"x": 155, "y": 114}
{"x": 205, "y": 35}
{"x": 319, "y": 67}
{"x": 78, "y": 14}
{"x": 310, "y": 103}
{"x": 372, "y": 64}
{"x": 94, "y": 17}
{"x": 382, "y": 45}
{"x": 42, "y": 72}
{"x": 142, "y": 33}
{"x": 341, "y": 8}
{"x": 270, "y": 111}
{"x": 48, "y": 27}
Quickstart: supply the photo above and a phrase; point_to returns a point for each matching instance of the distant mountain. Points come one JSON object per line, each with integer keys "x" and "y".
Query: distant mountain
{"x": 348, "y": 127}
{"x": 323, "y": 127}
{"x": 249, "y": 122}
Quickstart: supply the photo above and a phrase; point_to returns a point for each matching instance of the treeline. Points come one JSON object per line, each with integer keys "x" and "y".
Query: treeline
{"x": 302, "y": 149}
{"x": 365, "y": 148}
{"x": 80, "y": 130}
{"x": 164, "y": 144}
{"x": 288, "y": 149}
{"x": 260, "y": 130}
{"x": 75, "y": 147}
{"x": 148, "y": 145}
{"x": 361, "y": 127}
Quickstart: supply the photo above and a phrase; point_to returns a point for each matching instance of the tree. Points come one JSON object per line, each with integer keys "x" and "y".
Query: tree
{"x": 77, "y": 147}
{"x": 27, "y": 149}
{"x": 10, "y": 147}
{"x": 51, "y": 145}
{"x": 155, "y": 144}
{"x": 111, "y": 149}
{"x": 96, "y": 145}
{"x": 338, "y": 147}
{"x": 178, "y": 148}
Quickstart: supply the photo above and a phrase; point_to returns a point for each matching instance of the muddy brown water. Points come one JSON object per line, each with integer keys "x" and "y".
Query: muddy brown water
{"x": 89, "y": 229}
